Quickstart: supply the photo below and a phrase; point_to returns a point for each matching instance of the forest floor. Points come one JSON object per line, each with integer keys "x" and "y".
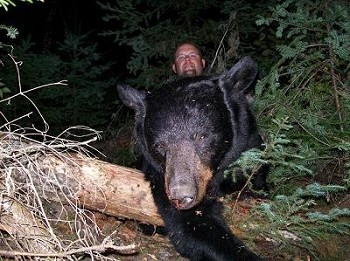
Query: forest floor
{"x": 254, "y": 231}
{"x": 158, "y": 247}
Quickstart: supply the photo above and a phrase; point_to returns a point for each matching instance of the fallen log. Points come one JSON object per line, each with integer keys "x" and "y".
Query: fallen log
{"x": 75, "y": 179}
{"x": 96, "y": 185}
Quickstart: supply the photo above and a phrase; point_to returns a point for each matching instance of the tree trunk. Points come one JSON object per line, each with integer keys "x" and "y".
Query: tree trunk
{"x": 97, "y": 185}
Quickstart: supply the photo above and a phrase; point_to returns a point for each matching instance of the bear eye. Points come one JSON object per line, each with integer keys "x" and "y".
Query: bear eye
{"x": 198, "y": 137}
{"x": 202, "y": 137}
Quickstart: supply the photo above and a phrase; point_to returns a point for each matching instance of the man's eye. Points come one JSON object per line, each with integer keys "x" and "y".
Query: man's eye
{"x": 181, "y": 57}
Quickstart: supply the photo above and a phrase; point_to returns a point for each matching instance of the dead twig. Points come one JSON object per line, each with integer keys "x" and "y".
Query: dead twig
{"x": 128, "y": 249}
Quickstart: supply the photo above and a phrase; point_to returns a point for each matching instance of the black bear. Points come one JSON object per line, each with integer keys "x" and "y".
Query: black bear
{"x": 189, "y": 131}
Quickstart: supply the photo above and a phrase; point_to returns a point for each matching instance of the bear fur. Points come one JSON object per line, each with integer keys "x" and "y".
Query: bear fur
{"x": 188, "y": 132}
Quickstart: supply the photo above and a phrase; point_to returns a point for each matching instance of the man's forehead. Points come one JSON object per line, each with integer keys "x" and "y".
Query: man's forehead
{"x": 186, "y": 48}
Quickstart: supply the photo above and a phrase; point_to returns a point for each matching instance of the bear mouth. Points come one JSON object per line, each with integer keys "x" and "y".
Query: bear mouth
{"x": 184, "y": 203}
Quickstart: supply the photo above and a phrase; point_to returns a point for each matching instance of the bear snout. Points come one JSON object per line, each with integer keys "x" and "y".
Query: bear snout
{"x": 182, "y": 194}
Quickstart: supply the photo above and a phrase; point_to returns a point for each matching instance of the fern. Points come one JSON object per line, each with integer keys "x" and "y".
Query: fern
{"x": 288, "y": 219}
{"x": 283, "y": 155}
{"x": 6, "y": 3}
{"x": 11, "y": 31}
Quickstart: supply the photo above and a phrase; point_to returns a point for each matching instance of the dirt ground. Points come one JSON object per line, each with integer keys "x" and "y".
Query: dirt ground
{"x": 157, "y": 246}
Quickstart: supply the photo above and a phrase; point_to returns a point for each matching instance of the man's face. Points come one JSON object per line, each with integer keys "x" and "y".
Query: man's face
{"x": 188, "y": 61}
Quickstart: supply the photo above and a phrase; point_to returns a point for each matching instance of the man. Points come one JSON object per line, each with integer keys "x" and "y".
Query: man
{"x": 188, "y": 61}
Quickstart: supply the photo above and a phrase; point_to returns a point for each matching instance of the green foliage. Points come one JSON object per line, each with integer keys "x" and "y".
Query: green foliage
{"x": 152, "y": 30}
{"x": 35, "y": 69}
{"x": 224, "y": 30}
{"x": 311, "y": 32}
{"x": 302, "y": 105}
{"x": 283, "y": 155}
{"x": 284, "y": 210}
{"x": 308, "y": 84}
{"x": 11, "y": 31}
{"x": 81, "y": 102}
{"x": 291, "y": 220}
{"x": 6, "y": 3}
{"x": 306, "y": 93}
{"x": 332, "y": 215}
{"x": 84, "y": 98}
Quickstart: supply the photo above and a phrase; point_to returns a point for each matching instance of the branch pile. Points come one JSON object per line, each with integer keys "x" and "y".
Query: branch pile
{"x": 36, "y": 176}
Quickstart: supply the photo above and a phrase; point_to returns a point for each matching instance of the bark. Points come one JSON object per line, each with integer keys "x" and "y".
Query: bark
{"x": 98, "y": 185}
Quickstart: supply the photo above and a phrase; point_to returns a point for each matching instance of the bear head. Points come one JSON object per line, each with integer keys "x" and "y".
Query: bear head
{"x": 190, "y": 129}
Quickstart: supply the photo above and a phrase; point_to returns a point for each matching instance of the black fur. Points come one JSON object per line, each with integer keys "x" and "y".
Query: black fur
{"x": 189, "y": 131}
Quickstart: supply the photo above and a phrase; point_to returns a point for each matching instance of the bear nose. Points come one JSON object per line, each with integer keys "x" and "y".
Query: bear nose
{"x": 182, "y": 193}
{"x": 183, "y": 203}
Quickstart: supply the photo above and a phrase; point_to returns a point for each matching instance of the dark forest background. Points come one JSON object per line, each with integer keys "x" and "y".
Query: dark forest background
{"x": 302, "y": 98}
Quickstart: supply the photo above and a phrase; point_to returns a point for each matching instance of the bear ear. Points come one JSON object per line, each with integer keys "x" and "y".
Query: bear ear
{"x": 135, "y": 99}
{"x": 240, "y": 78}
